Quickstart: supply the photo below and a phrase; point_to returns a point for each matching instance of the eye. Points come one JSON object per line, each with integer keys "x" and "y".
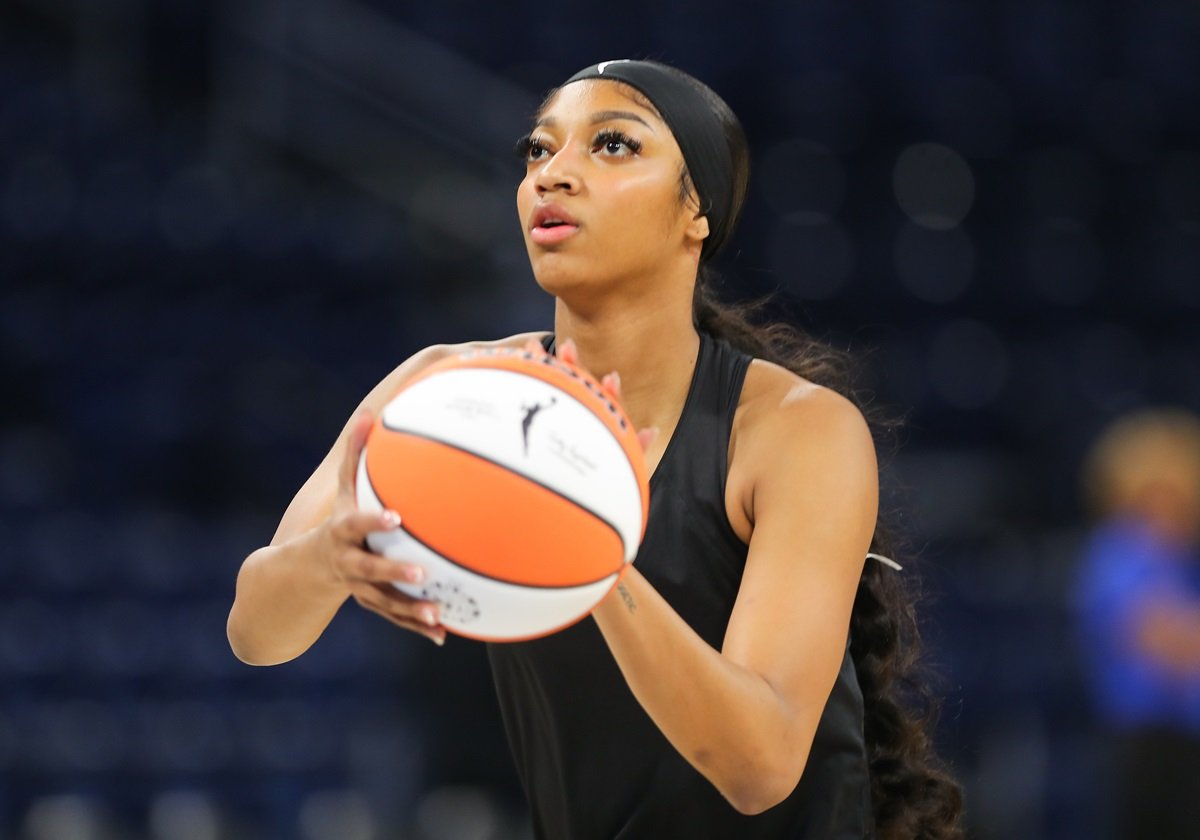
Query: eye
{"x": 530, "y": 149}
{"x": 616, "y": 144}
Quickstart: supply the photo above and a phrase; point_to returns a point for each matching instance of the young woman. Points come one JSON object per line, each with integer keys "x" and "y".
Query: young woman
{"x": 738, "y": 682}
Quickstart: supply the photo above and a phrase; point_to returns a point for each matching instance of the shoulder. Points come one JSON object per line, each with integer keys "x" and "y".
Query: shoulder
{"x": 788, "y": 430}
{"x": 778, "y": 407}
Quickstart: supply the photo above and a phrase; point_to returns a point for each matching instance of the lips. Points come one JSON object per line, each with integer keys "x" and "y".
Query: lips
{"x": 550, "y": 224}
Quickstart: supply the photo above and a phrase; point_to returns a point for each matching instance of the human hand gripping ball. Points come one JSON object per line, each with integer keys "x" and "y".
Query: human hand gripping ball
{"x": 369, "y": 577}
{"x": 522, "y": 486}
{"x": 611, "y": 383}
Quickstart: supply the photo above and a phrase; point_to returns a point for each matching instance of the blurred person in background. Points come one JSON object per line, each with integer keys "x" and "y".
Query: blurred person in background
{"x": 1138, "y": 595}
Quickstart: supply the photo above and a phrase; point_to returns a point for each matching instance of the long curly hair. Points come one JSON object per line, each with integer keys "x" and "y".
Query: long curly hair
{"x": 913, "y": 795}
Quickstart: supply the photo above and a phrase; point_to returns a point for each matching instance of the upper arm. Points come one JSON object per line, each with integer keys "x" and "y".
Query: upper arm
{"x": 314, "y": 501}
{"x": 814, "y": 503}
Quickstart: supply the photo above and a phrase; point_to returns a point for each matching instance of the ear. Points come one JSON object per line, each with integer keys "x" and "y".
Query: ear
{"x": 697, "y": 229}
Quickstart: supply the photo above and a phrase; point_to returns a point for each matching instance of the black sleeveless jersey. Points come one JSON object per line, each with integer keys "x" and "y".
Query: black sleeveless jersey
{"x": 593, "y": 764}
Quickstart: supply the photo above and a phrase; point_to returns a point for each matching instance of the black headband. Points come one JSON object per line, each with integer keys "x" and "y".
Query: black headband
{"x": 699, "y": 133}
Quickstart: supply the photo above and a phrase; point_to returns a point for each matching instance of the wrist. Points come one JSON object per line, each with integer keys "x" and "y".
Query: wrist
{"x": 621, "y": 603}
{"x": 308, "y": 557}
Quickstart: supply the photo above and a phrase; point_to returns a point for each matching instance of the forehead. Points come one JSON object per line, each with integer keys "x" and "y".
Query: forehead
{"x": 579, "y": 100}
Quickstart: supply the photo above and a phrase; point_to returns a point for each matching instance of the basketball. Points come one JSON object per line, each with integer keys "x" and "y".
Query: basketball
{"x": 521, "y": 488}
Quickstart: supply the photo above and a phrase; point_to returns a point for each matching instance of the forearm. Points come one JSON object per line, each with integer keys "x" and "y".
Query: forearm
{"x": 727, "y": 721}
{"x": 284, "y": 601}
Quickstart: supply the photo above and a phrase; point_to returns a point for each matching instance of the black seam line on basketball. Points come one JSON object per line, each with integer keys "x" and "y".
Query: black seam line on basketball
{"x": 478, "y": 573}
{"x": 507, "y": 468}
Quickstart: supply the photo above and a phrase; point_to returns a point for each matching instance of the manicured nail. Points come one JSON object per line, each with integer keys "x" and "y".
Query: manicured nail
{"x": 616, "y": 380}
{"x": 391, "y": 519}
{"x": 438, "y": 640}
{"x": 414, "y": 574}
{"x": 427, "y": 615}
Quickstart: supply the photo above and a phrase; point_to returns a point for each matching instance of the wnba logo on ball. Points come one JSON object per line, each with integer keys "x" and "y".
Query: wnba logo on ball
{"x": 531, "y": 412}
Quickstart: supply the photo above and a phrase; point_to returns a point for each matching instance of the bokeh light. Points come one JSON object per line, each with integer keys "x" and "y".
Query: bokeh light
{"x": 933, "y": 185}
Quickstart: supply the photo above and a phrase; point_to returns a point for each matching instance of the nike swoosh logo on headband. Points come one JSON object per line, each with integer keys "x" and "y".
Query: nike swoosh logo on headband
{"x": 600, "y": 67}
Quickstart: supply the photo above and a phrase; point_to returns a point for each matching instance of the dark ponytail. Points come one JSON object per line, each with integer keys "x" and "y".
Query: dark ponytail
{"x": 913, "y": 796}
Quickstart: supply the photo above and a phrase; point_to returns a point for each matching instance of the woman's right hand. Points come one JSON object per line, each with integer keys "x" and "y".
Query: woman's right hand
{"x": 289, "y": 590}
{"x": 340, "y": 547}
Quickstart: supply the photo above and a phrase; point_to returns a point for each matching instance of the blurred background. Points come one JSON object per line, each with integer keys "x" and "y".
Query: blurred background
{"x": 222, "y": 222}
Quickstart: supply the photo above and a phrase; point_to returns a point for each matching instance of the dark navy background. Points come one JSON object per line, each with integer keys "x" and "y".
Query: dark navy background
{"x": 221, "y": 223}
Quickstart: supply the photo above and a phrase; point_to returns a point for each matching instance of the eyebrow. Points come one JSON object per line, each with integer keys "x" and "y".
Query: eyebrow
{"x": 598, "y": 117}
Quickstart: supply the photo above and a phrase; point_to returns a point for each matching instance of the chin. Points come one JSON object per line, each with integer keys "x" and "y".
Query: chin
{"x": 561, "y": 277}
{"x": 568, "y": 289}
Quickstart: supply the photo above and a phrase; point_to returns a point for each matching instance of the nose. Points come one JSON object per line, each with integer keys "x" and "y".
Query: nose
{"x": 559, "y": 174}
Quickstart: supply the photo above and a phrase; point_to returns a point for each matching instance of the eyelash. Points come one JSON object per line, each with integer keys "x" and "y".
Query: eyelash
{"x": 527, "y": 144}
{"x": 611, "y": 135}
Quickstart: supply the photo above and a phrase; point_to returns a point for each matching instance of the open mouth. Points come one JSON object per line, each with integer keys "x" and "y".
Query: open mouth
{"x": 551, "y": 224}
{"x": 552, "y": 231}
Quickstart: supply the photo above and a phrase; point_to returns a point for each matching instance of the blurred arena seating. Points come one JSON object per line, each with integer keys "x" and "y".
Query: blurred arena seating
{"x": 220, "y": 224}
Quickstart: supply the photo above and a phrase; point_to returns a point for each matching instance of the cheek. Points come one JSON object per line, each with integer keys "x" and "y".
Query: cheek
{"x": 647, "y": 203}
{"x": 525, "y": 196}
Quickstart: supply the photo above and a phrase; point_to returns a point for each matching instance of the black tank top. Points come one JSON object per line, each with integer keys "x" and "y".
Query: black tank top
{"x": 592, "y": 762}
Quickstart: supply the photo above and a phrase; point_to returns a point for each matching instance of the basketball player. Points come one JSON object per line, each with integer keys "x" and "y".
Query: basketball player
{"x": 738, "y": 681}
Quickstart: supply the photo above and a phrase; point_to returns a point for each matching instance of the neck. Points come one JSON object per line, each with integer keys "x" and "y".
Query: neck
{"x": 652, "y": 347}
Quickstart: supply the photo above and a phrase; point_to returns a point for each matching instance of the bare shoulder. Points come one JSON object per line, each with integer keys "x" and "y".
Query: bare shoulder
{"x": 777, "y": 401}
{"x": 789, "y": 430}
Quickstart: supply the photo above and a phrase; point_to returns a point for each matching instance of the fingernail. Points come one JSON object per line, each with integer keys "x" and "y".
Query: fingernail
{"x": 428, "y": 616}
{"x": 391, "y": 519}
{"x": 414, "y": 574}
{"x": 616, "y": 379}
{"x": 438, "y": 640}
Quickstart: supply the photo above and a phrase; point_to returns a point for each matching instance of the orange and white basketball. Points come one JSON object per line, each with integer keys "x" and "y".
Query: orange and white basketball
{"x": 521, "y": 488}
